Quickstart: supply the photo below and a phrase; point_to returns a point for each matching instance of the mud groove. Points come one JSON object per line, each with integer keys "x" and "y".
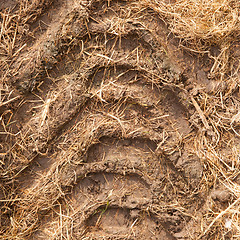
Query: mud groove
{"x": 103, "y": 135}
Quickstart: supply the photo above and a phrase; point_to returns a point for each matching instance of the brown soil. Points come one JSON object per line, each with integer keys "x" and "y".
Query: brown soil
{"x": 98, "y": 139}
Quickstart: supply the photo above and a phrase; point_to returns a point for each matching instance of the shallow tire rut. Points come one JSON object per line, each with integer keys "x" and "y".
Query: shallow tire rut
{"x": 104, "y": 152}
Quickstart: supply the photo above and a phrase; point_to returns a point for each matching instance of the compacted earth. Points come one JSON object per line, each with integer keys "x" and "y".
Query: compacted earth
{"x": 112, "y": 127}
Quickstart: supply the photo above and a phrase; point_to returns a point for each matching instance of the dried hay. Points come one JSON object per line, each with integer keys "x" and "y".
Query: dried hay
{"x": 201, "y": 25}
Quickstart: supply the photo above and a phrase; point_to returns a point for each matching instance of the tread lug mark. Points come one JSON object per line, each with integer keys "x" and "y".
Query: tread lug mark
{"x": 114, "y": 133}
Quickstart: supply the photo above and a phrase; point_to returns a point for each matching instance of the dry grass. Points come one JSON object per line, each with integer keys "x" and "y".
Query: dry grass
{"x": 203, "y": 25}
{"x": 204, "y": 28}
{"x": 200, "y": 23}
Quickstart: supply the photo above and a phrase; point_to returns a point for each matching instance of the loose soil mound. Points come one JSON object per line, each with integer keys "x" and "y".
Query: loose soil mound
{"x": 119, "y": 119}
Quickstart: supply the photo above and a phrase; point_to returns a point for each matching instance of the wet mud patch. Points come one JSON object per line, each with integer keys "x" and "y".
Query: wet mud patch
{"x": 100, "y": 130}
{"x": 120, "y": 149}
{"x": 118, "y": 223}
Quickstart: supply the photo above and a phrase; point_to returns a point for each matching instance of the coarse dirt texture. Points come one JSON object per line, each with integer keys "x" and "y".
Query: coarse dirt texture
{"x": 119, "y": 119}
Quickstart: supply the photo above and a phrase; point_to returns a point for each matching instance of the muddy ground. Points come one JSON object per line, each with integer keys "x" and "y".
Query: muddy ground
{"x": 102, "y": 118}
